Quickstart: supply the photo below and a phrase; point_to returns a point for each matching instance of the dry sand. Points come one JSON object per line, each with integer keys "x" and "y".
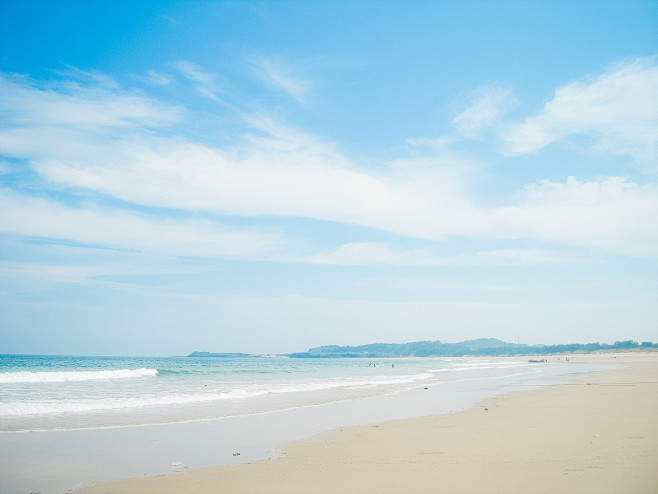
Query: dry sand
{"x": 597, "y": 435}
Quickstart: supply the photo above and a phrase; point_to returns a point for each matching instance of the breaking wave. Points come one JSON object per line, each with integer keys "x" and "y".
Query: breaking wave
{"x": 73, "y": 376}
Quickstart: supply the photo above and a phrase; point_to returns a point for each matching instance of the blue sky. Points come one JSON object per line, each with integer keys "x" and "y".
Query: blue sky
{"x": 271, "y": 176}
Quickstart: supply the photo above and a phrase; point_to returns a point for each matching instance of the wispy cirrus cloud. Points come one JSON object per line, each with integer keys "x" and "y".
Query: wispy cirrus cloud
{"x": 75, "y": 76}
{"x": 613, "y": 214}
{"x": 78, "y": 274}
{"x": 154, "y": 77}
{"x": 60, "y": 264}
{"x": 281, "y": 74}
{"x": 124, "y": 230}
{"x": 271, "y": 169}
{"x": 607, "y": 213}
{"x": 205, "y": 83}
{"x": 617, "y": 110}
{"x": 26, "y": 102}
{"x": 258, "y": 180}
{"x": 369, "y": 253}
{"x": 490, "y": 104}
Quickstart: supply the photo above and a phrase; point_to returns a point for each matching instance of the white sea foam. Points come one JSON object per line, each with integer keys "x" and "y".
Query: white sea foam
{"x": 485, "y": 363}
{"x": 350, "y": 383}
{"x": 70, "y": 376}
{"x": 469, "y": 366}
{"x": 36, "y": 408}
{"x": 90, "y": 405}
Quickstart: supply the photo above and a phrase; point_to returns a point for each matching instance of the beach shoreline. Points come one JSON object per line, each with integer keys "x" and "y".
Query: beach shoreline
{"x": 58, "y": 461}
{"x": 596, "y": 434}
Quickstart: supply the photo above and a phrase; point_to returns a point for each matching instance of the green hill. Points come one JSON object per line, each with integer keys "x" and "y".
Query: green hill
{"x": 479, "y": 347}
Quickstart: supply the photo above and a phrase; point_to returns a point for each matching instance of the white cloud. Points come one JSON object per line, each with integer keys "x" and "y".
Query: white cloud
{"x": 22, "y": 103}
{"x": 122, "y": 230}
{"x": 154, "y": 77}
{"x": 61, "y": 143}
{"x": 373, "y": 253}
{"x": 295, "y": 176}
{"x": 89, "y": 266}
{"x": 514, "y": 257}
{"x": 55, "y": 272}
{"x": 73, "y": 73}
{"x": 280, "y": 74}
{"x": 618, "y": 110}
{"x": 364, "y": 253}
{"x": 206, "y": 83}
{"x": 76, "y": 274}
{"x": 287, "y": 174}
{"x": 491, "y": 103}
{"x": 274, "y": 170}
{"x": 608, "y": 213}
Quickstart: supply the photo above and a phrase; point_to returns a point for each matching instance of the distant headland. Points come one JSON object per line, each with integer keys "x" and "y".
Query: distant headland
{"x": 224, "y": 355}
{"x": 485, "y": 347}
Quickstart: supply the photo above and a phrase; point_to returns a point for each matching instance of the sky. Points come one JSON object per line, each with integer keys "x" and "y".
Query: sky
{"x": 266, "y": 177}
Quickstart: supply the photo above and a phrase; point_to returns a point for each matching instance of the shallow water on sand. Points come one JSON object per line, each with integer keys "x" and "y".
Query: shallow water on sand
{"x": 85, "y": 421}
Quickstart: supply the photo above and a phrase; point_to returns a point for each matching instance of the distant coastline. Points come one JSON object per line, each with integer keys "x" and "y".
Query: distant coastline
{"x": 224, "y": 355}
{"x": 484, "y": 347}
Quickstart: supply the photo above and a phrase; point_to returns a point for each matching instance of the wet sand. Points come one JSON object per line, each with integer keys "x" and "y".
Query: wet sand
{"x": 595, "y": 435}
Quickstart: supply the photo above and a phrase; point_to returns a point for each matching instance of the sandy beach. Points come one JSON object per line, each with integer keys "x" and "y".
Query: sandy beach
{"x": 598, "y": 435}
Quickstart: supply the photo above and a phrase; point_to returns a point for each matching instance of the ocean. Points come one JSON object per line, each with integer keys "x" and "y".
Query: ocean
{"x": 54, "y": 407}
{"x": 41, "y": 393}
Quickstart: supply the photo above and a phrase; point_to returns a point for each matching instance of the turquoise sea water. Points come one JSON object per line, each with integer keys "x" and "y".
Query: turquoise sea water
{"x": 67, "y": 422}
{"x": 55, "y": 392}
